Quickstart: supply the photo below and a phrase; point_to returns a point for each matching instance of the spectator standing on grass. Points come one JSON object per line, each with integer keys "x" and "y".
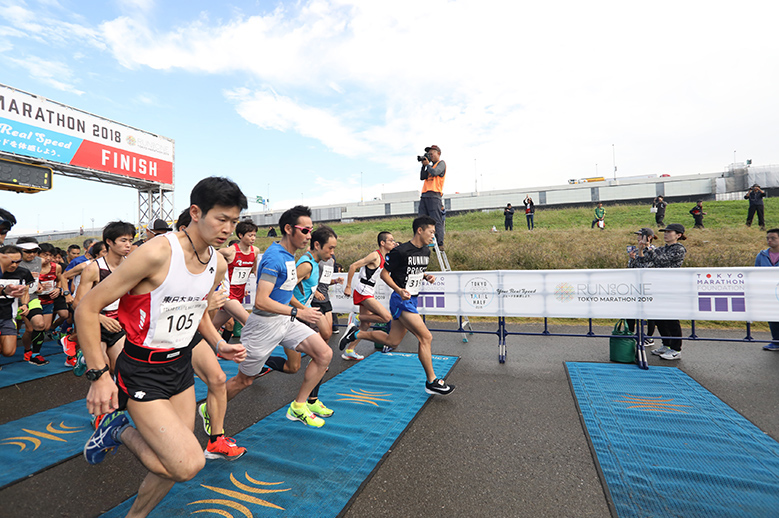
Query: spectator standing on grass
{"x": 508, "y": 215}
{"x": 755, "y": 197}
{"x": 669, "y": 256}
{"x": 530, "y": 210}
{"x": 770, "y": 257}
{"x": 697, "y": 214}
{"x": 659, "y": 205}
{"x": 600, "y": 217}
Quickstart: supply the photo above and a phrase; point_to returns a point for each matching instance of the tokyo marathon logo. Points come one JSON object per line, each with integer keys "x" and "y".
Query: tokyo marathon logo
{"x": 721, "y": 292}
{"x": 564, "y": 292}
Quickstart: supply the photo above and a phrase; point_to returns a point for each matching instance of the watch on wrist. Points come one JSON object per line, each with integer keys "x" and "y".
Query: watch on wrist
{"x": 66, "y": 293}
{"x": 293, "y": 314}
{"x": 94, "y": 374}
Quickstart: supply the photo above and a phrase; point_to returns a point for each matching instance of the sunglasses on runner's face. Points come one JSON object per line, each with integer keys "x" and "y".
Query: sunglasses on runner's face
{"x": 304, "y": 230}
{"x": 16, "y": 262}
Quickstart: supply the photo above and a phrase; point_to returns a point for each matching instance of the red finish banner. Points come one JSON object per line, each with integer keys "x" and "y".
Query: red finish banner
{"x": 118, "y": 161}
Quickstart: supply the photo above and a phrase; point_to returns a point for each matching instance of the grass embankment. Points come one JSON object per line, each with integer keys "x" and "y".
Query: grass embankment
{"x": 563, "y": 239}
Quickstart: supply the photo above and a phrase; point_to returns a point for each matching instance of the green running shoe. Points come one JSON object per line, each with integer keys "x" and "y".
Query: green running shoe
{"x": 319, "y": 408}
{"x": 202, "y": 411}
{"x": 81, "y": 364}
{"x": 304, "y": 416}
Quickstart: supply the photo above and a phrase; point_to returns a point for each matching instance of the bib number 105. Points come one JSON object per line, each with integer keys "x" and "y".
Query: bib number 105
{"x": 180, "y": 322}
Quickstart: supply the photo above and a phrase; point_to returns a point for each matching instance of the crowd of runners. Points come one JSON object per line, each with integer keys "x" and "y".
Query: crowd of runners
{"x": 140, "y": 318}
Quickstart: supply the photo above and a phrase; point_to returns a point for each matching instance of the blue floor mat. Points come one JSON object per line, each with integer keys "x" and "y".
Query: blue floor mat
{"x": 21, "y": 371}
{"x": 668, "y": 447}
{"x": 42, "y": 440}
{"x": 294, "y": 470}
{"x": 48, "y": 348}
{"x": 47, "y": 438}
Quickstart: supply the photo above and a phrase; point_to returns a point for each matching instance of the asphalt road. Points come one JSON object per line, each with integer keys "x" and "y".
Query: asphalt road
{"x": 507, "y": 443}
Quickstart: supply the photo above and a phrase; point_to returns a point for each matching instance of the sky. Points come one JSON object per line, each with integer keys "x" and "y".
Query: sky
{"x": 330, "y": 101}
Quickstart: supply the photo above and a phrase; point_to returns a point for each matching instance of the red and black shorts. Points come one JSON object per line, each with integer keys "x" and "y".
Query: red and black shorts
{"x": 144, "y": 374}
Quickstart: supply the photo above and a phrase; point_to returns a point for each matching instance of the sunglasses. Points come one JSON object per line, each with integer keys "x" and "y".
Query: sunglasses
{"x": 304, "y": 230}
{"x": 16, "y": 262}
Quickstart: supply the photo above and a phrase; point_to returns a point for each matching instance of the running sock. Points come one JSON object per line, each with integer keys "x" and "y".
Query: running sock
{"x": 37, "y": 341}
{"x": 116, "y": 434}
{"x": 212, "y": 438}
{"x": 276, "y": 363}
{"x": 298, "y": 406}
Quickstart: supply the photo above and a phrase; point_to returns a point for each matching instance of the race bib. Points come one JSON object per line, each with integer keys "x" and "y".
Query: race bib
{"x": 414, "y": 282}
{"x": 240, "y": 275}
{"x": 327, "y": 274}
{"x": 292, "y": 277}
{"x": 177, "y": 323}
{"x": 48, "y": 287}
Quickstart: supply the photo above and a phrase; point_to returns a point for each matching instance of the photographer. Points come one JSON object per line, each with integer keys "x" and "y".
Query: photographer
{"x": 432, "y": 174}
{"x": 508, "y": 214}
{"x": 755, "y": 196}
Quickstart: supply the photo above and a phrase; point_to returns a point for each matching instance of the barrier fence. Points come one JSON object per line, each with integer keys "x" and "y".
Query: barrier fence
{"x": 744, "y": 294}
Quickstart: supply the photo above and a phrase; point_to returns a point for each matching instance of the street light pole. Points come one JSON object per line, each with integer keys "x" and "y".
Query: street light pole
{"x": 614, "y": 158}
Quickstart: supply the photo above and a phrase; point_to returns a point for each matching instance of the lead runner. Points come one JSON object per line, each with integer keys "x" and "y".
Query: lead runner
{"x": 164, "y": 288}
{"x": 403, "y": 272}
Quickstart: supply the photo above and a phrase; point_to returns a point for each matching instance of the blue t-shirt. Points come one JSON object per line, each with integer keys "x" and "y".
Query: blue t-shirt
{"x": 75, "y": 262}
{"x": 278, "y": 267}
{"x": 309, "y": 285}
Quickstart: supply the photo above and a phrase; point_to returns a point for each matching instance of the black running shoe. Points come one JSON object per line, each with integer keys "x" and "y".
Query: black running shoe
{"x": 348, "y": 337}
{"x": 438, "y": 386}
{"x": 38, "y": 360}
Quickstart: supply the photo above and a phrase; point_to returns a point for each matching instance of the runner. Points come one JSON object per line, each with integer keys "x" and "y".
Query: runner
{"x": 13, "y": 285}
{"x": 321, "y": 299}
{"x": 273, "y": 321}
{"x": 371, "y": 311}
{"x": 405, "y": 269}
{"x": 164, "y": 287}
{"x": 7, "y": 221}
{"x": 33, "y": 320}
{"x": 323, "y": 242}
{"x": 54, "y": 297}
{"x": 242, "y": 261}
{"x": 118, "y": 236}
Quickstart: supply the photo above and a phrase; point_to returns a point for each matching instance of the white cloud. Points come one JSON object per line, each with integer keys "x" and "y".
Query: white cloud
{"x": 53, "y": 73}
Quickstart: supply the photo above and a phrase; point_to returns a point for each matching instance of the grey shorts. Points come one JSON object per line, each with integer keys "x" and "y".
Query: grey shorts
{"x": 262, "y": 334}
{"x": 7, "y": 327}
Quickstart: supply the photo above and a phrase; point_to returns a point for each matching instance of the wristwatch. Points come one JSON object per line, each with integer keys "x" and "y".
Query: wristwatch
{"x": 293, "y": 314}
{"x": 94, "y": 374}
{"x": 66, "y": 293}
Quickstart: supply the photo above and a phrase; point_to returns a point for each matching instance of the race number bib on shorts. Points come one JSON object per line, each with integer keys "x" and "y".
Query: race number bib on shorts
{"x": 177, "y": 323}
{"x": 327, "y": 274}
{"x": 240, "y": 275}
{"x": 292, "y": 277}
{"x": 414, "y": 282}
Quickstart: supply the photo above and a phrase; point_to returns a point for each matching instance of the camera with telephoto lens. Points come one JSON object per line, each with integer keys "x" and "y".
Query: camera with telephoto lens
{"x": 426, "y": 155}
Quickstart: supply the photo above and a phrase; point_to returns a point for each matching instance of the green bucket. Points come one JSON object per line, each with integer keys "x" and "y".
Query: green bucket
{"x": 622, "y": 344}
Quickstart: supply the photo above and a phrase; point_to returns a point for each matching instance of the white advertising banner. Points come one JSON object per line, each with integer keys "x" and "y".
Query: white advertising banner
{"x": 35, "y": 127}
{"x": 743, "y": 294}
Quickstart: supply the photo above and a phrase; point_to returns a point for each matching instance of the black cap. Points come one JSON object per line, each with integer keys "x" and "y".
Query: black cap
{"x": 676, "y": 227}
{"x": 160, "y": 226}
{"x": 645, "y": 232}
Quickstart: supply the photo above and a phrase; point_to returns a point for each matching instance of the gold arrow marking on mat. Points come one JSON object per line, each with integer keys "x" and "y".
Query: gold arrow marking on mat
{"x": 652, "y": 404}
{"x": 228, "y": 503}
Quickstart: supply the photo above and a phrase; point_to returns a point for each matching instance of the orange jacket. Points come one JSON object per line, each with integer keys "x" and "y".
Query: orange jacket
{"x": 434, "y": 183}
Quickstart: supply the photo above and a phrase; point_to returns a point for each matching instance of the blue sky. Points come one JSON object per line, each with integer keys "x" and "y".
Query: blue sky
{"x": 306, "y": 101}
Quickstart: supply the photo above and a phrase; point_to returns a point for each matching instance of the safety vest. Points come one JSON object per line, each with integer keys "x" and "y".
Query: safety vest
{"x": 434, "y": 183}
